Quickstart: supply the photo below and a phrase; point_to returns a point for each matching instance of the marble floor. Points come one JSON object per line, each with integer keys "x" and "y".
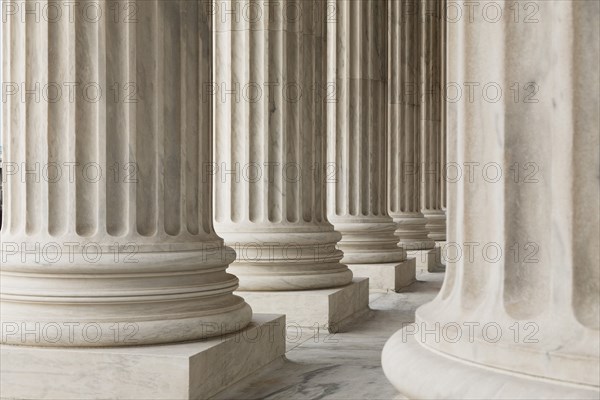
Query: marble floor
{"x": 346, "y": 365}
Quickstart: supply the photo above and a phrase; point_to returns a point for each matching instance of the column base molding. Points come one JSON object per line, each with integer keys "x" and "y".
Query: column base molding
{"x": 189, "y": 370}
{"x": 291, "y": 258}
{"x": 428, "y": 260}
{"x": 392, "y": 276}
{"x": 436, "y": 224}
{"x": 329, "y": 309}
{"x": 411, "y": 231}
{"x": 404, "y": 360}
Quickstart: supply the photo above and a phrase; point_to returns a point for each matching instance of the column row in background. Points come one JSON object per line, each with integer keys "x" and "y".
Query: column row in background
{"x": 307, "y": 181}
{"x": 327, "y": 125}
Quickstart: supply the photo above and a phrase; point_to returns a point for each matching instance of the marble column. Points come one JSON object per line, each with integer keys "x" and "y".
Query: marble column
{"x": 403, "y": 131}
{"x": 443, "y": 148}
{"x": 356, "y": 147}
{"x": 108, "y": 237}
{"x": 404, "y": 134}
{"x": 270, "y": 170}
{"x": 431, "y": 42}
{"x": 518, "y": 316}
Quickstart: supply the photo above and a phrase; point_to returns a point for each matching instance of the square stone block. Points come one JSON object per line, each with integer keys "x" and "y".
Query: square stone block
{"x": 328, "y": 309}
{"x": 384, "y": 277}
{"x": 428, "y": 260}
{"x": 191, "y": 370}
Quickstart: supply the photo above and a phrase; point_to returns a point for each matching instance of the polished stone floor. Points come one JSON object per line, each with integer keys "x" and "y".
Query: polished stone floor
{"x": 341, "y": 366}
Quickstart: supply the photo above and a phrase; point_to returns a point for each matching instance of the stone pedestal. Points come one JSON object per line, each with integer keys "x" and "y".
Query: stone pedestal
{"x": 326, "y": 309}
{"x": 519, "y": 316}
{"x": 391, "y": 276}
{"x": 428, "y": 260}
{"x": 190, "y": 370}
{"x": 357, "y": 146}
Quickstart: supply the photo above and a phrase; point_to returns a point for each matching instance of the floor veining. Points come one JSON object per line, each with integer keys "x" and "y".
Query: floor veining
{"x": 320, "y": 365}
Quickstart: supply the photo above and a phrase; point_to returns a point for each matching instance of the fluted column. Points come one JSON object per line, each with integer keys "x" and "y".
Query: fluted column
{"x": 403, "y": 126}
{"x": 524, "y": 304}
{"x": 357, "y": 119}
{"x": 270, "y": 145}
{"x": 443, "y": 148}
{"x": 431, "y": 109}
{"x": 107, "y": 218}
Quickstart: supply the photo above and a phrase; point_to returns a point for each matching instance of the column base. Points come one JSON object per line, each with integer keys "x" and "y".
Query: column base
{"x": 330, "y": 309}
{"x": 436, "y": 224}
{"x": 190, "y": 370}
{"x": 428, "y": 260}
{"x": 404, "y": 359}
{"x": 391, "y": 276}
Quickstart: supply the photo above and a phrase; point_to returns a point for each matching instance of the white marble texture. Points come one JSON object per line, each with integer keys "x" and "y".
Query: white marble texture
{"x": 328, "y": 309}
{"x": 179, "y": 371}
{"x": 393, "y": 276}
{"x": 549, "y": 292}
{"x": 271, "y": 134}
{"x": 431, "y": 260}
{"x": 108, "y": 249}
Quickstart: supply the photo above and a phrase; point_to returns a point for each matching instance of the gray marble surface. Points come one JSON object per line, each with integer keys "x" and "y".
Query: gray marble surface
{"x": 344, "y": 365}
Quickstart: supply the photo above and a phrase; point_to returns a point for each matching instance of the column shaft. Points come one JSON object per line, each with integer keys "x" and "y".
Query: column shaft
{"x": 357, "y": 119}
{"x": 431, "y": 41}
{"x": 403, "y": 126}
{"x": 270, "y": 145}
